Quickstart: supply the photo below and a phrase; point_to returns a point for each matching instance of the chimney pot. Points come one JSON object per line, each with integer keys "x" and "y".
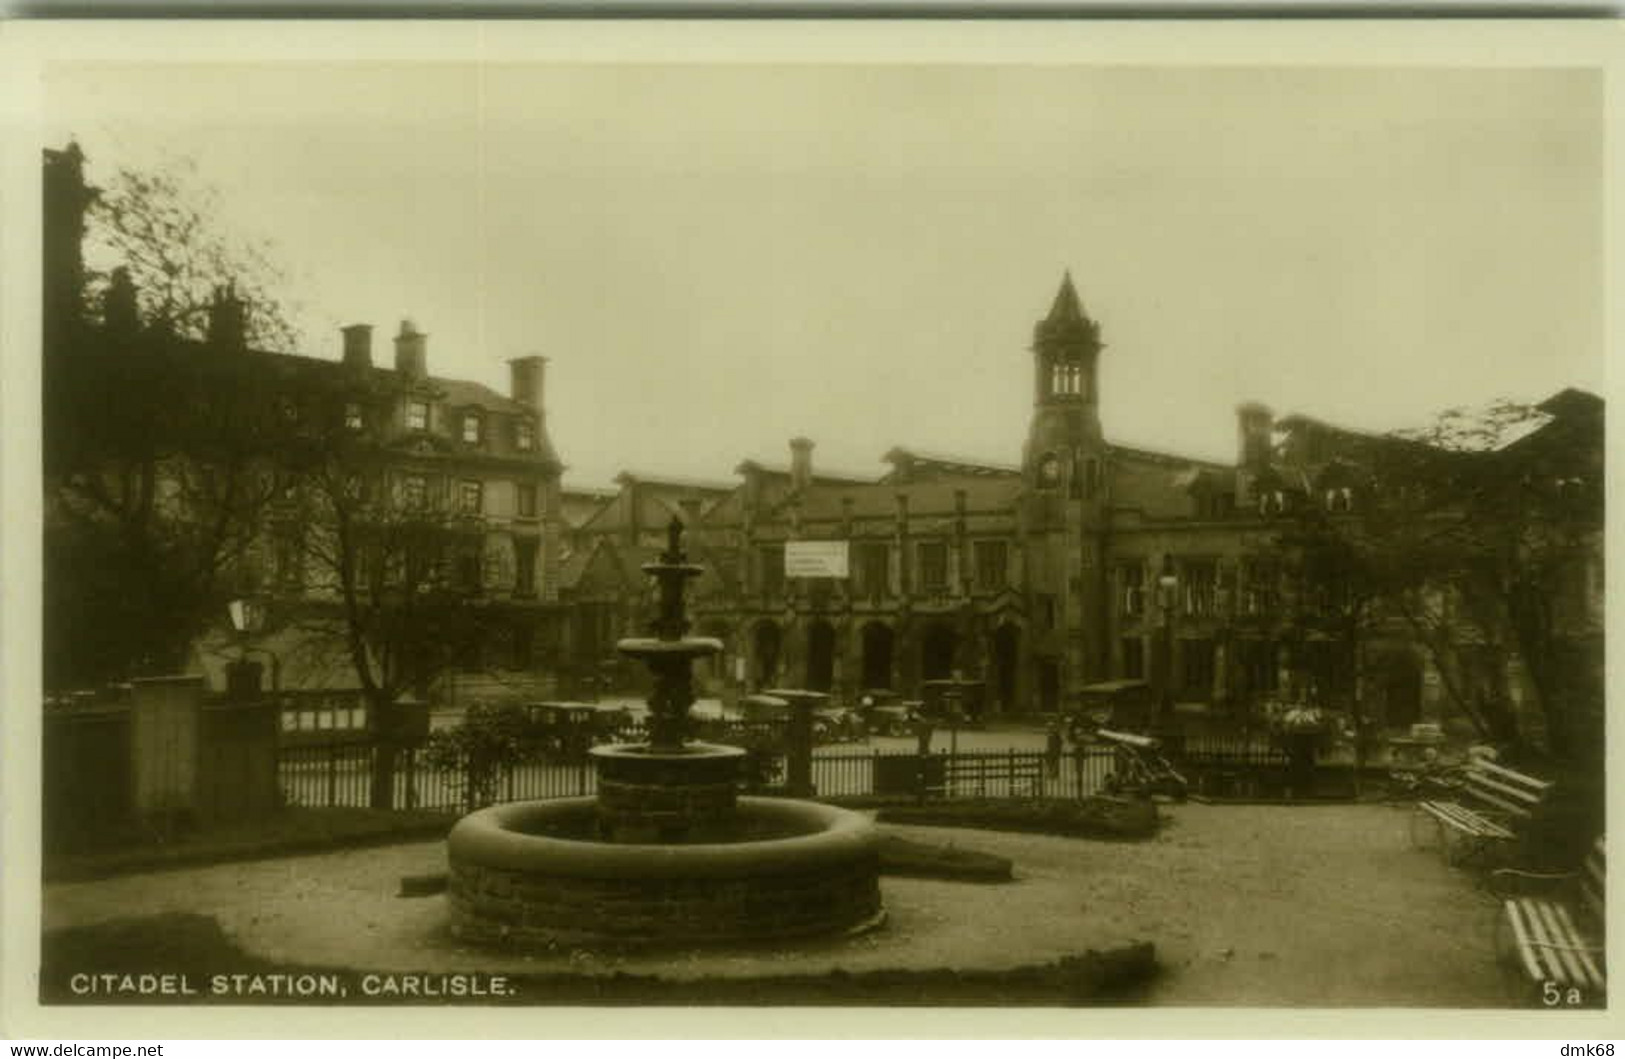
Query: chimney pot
{"x": 412, "y": 351}
{"x": 800, "y": 463}
{"x": 357, "y": 345}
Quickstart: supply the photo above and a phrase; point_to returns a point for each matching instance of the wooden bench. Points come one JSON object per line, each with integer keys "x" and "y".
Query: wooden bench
{"x": 1500, "y": 800}
{"x": 1558, "y": 941}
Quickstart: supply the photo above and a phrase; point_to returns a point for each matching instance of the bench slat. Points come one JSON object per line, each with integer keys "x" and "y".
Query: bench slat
{"x": 1583, "y": 952}
{"x": 1516, "y": 777}
{"x": 1559, "y": 955}
{"x": 1479, "y": 784}
{"x": 1540, "y": 945}
{"x": 1526, "y": 951}
{"x": 1566, "y": 942}
{"x": 1461, "y": 818}
{"x": 1516, "y": 809}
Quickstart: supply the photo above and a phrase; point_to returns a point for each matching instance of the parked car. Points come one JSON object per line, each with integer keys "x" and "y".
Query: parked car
{"x": 884, "y": 712}
{"x": 1121, "y": 705}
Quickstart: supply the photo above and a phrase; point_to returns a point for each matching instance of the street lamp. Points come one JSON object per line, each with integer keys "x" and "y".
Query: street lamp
{"x": 1167, "y": 599}
{"x": 242, "y": 676}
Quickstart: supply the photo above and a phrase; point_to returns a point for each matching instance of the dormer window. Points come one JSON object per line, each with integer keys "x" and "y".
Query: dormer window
{"x": 352, "y": 416}
{"x": 524, "y": 435}
{"x": 1340, "y": 499}
{"x": 417, "y": 415}
{"x": 472, "y": 427}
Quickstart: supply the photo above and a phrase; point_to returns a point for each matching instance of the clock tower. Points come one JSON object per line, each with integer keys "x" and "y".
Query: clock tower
{"x": 1065, "y": 508}
{"x": 1065, "y": 432}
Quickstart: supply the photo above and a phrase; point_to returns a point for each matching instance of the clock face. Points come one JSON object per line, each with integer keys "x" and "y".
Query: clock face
{"x": 1049, "y": 470}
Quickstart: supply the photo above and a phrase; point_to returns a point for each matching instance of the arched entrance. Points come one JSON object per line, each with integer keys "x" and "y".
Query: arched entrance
{"x": 877, "y": 654}
{"x": 1399, "y": 674}
{"x": 1006, "y": 649}
{"x": 820, "y": 656}
{"x": 765, "y": 644}
{"x": 937, "y": 653}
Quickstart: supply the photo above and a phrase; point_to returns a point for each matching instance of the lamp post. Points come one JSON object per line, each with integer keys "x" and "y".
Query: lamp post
{"x": 242, "y": 676}
{"x": 1167, "y": 599}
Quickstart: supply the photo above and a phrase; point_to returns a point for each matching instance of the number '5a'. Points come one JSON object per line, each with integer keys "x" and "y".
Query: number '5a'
{"x": 1554, "y": 995}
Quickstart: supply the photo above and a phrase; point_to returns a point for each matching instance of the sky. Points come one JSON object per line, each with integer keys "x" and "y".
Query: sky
{"x": 717, "y": 258}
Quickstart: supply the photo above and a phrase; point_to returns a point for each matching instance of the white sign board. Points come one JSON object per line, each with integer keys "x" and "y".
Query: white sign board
{"x": 815, "y": 559}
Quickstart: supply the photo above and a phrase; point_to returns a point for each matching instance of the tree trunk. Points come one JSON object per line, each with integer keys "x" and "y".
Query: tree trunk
{"x": 386, "y": 751}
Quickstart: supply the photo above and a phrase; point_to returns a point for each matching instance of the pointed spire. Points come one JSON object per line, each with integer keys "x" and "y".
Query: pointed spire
{"x": 1066, "y": 307}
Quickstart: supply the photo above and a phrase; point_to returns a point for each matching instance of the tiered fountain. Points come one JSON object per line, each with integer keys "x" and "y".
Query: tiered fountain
{"x": 667, "y": 852}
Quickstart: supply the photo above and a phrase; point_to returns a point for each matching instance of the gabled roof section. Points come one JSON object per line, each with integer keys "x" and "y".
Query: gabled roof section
{"x": 779, "y": 470}
{"x": 1165, "y": 459}
{"x": 908, "y": 463}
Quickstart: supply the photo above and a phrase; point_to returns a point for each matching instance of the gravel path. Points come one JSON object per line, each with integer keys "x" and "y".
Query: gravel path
{"x": 1264, "y": 906}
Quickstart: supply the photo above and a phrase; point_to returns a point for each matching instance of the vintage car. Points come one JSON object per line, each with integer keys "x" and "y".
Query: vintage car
{"x": 1120, "y": 705}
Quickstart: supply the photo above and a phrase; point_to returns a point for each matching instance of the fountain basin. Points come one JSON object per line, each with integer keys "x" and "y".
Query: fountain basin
{"x": 686, "y": 794}
{"x": 527, "y": 874}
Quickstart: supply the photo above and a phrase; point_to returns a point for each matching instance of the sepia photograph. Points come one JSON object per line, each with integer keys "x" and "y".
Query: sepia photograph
{"x": 529, "y": 516}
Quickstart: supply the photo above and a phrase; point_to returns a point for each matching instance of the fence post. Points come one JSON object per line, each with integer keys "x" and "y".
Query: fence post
{"x": 332, "y": 774}
{"x": 411, "y": 777}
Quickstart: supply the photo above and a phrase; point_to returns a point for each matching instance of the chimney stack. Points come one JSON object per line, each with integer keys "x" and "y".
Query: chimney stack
{"x": 1254, "y": 424}
{"x": 228, "y": 320}
{"x": 526, "y": 376}
{"x": 357, "y": 345}
{"x": 412, "y": 351}
{"x": 800, "y": 463}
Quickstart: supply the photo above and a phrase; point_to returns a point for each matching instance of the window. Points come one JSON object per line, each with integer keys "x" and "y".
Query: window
{"x": 872, "y": 578}
{"x": 469, "y": 573}
{"x": 1067, "y": 379}
{"x": 352, "y": 416}
{"x": 286, "y": 557}
{"x": 1046, "y": 611}
{"x": 526, "y": 499}
{"x": 1259, "y": 591}
{"x": 414, "y": 492}
{"x": 524, "y": 435}
{"x": 525, "y": 567}
{"x": 1198, "y": 667}
{"x": 417, "y": 415}
{"x": 1133, "y": 658}
{"x": 1201, "y": 583}
{"x": 471, "y": 498}
{"x": 1131, "y": 577}
{"x": 992, "y": 564}
{"x": 471, "y": 428}
{"x": 1258, "y": 665}
{"x": 1340, "y": 500}
{"x": 933, "y": 557}
{"x": 770, "y": 569}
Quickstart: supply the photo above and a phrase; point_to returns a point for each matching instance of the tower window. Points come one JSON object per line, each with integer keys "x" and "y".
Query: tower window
{"x": 1066, "y": 379}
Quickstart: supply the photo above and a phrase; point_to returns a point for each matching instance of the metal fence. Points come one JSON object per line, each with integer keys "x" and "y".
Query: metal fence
{"x": 341, "y": 775}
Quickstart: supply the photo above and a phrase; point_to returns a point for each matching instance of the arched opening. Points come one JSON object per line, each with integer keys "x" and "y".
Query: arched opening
{"x": 937, "y": 653}
{"x": 765, "y": 643}
{"x": 1399, "y": 675}
{"x": 820, "y": 656}
{"x": 1006, "y": 645}
{"x": 877, "y": 655}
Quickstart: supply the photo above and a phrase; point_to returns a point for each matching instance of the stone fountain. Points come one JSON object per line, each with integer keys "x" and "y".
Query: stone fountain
{"x": 667, "y": 852}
